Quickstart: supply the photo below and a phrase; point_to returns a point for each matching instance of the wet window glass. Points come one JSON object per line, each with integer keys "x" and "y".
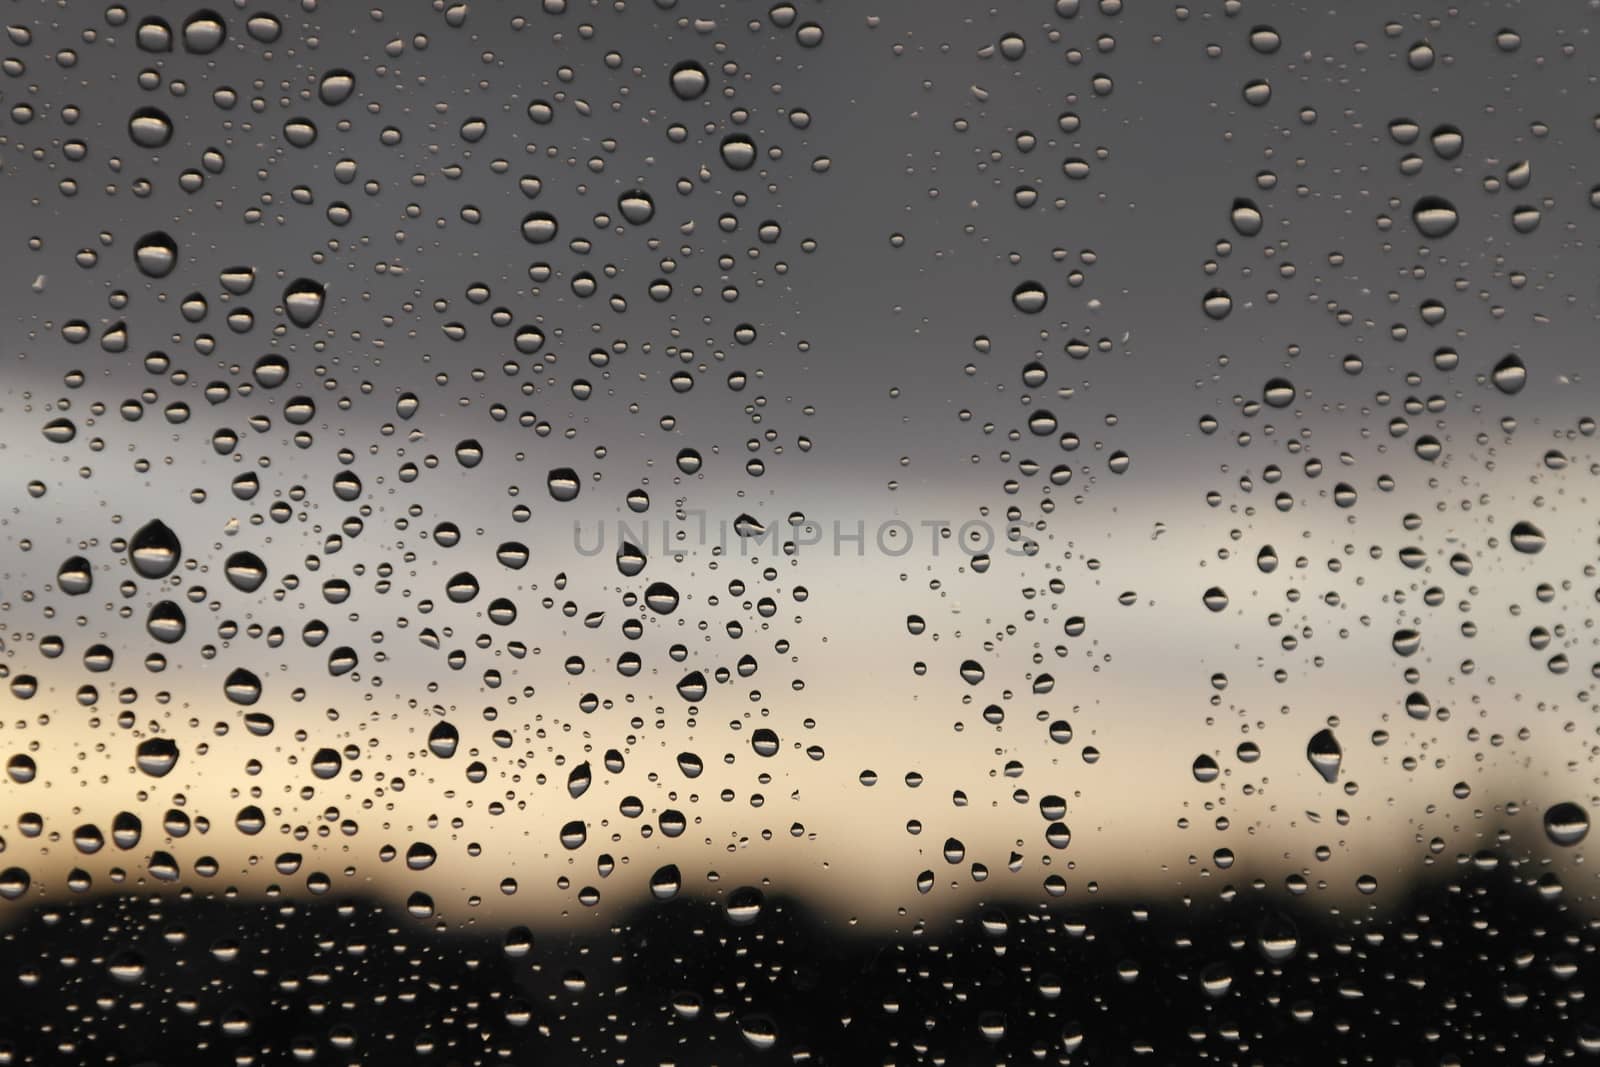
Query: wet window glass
{"x": 667, "y": 532}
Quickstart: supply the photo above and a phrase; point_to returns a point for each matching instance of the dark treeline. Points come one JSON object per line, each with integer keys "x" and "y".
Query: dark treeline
{"x": 1482, "y": 971}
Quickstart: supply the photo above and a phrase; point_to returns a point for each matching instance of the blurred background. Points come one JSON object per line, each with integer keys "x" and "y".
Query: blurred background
{"x": 519, "y": 465}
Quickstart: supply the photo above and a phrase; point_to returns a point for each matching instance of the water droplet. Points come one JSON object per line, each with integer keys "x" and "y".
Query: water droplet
{"x": 1029, "y": 298}
{"x": 744, "y": 905}
{"x": 1434, "y": 216}
{"x": 156, "y": 756}
{"x": 1447, "y": 141}
{"x": 21, "y": 769}
{"x": 563, "y": 484}
{"x": 1324, "y": 753}
{"x": 1265, "y": 39}
{"x": 154, "y": 550}
{"x": 1246, "y": 217}
{"x": 149, "y": 127}
{"x": 1527, "y": 538}
{"x": 14, "y": 882}
{"x": 1258, "y": 93}
{"x": 636, "y": 207}
{"x": 153, "y": 35}
{"x": 245, "y": 571}
{"x": 661, "y": 598}
{"x": 765, "y": 742}
{"x": 242, "y": 687}
{"x": 60, "y": 431}
{"x": 1510, "y": 375}
{"x": 166, "y": 622}
{"x": 692, "y": 687}
{"x": 303, "y": 300}
{"x": 156, "y": 254}
{"x": 689, "y": 80}
{"x": 204, "y": 32}
{"x": 75, "y": 576}
{"x": 336, "y": 87}
{"x": 738, "y": 151}
{"x": 1277, "y": 938}
{"x": 666, "y": 882}
{"x": 1217, "y": 304}
{"x": 1566, "y": 824}
{"x": 443, "y": 739}
{"x": 1278, "y": 393}
{"x": 539, "y": 227}
{"x": 759, "y": 1031}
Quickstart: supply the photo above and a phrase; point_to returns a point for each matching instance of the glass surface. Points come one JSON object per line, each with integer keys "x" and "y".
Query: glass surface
{"x": 658, "y": 532}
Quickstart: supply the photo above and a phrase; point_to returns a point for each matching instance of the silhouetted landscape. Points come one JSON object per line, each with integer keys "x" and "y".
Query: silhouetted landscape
{"x": 1480, "y": 971}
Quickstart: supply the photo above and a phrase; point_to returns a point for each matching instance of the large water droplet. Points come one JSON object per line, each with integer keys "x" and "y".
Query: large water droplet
{"x": 1278, "y": 393}
{"x": 149, "y": 127}
{"x": 156, "y": 254}
{"x": 245, "y": 571}
{"x": 1246, "y": 217}
{"x": 1324, "y": 753}
{"x": 1434, "y": 216}
{"x": 539, "y": 228}
{"x": 336, "y": 87}
{"x": 154, "y": 550}
{"x": 666, "y": 882}
{"x": 661, "y": 598}
{"x": 166, "y": 622}
{"x": 1277, "y": 939}
{"x": 637, "y": 207}
{"x": 75, "y": 576}
{"x": 1566, "y": 823}
{"x": 1510, "y": 375}
{"x": 563, "y": 484}
{"x": 738, "y": 151}
{"x": 744, "y": 905}
{"x": 692, "y": 687}
{"x": 1217, "y": 304}
{"x": 1527, "y": 538}
{"x": 242, "y": 687}
{"x": 302, "y": 301}
{"x": 1029, "y": 298}
{"x": 689, "y": 80}
{"x": 442, "y": 740}
{"x": 156, "y": 756}
{"x": 204, "y": 32}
